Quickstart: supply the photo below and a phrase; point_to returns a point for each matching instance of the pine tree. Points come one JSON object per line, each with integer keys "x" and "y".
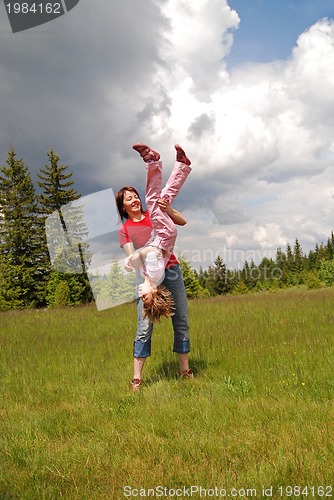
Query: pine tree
{"x": 117, "y": 287}
{"x": 321, "y": 253}
{"x": 202, "y": 277}
{"x": 56, "y": 184}
{"x": 59, "y": 282}
{"x": 330, "y": 246}
{"x": 191, "y": 282}
{"x": 249, "y": 275}
{"x": 62, "y": 294}
{"x": 298, "y": 257}
{"x": 57, "y": 192}
{"x": 266, "y": 271}
{"x": 20, "y": 236}
{"x": 280, "y": 259}
{"x": 289, "y": 258}
{"x": 218, "y": 282}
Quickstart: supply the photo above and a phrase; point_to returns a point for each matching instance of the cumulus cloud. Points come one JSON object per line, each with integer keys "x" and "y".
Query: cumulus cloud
{"x": 199, "y": 39}
{"x": 270, "y": 141}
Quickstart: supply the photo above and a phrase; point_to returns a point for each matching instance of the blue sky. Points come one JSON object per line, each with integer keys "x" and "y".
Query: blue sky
{"x": 269, "y": 28}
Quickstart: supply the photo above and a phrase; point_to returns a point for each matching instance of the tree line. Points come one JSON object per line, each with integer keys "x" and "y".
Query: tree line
{"x": 27, "y": 279}
{"x": 290, "y": 267}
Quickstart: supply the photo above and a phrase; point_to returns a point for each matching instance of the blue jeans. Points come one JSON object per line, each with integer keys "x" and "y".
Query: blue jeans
{"x": 174, "y": 282}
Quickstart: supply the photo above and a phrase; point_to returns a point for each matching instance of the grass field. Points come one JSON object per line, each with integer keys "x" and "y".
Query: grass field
{"x": 259, "y": 413}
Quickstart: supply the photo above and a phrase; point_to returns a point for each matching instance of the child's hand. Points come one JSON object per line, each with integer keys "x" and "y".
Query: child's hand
{"x": 128, "y": 264}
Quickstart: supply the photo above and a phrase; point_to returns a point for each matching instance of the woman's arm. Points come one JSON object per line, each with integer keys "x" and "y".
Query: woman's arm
{"x": 129, "y": 251}
{"x": 128, "y": 248}
{"x": 176, "y": 216}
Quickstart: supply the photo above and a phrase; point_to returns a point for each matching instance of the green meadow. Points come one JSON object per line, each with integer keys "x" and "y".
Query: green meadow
{"x": 257, "y": 420}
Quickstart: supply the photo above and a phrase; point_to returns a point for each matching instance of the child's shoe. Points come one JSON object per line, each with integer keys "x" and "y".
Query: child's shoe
{"x": 146, "y": 152}
{"x": 181, "y": 155}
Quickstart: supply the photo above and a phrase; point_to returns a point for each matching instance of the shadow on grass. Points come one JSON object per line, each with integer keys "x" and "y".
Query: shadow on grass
{"x": 169, "y": 370}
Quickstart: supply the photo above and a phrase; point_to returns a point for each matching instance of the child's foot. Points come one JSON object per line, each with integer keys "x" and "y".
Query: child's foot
{"x": 181, "y": 155}
{"x": 146, "y": 152}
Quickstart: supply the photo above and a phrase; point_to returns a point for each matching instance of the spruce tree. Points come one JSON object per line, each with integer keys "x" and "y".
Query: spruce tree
{"x": 20, "y": 236}
{"x": 118, "y": 287}
{"x": 330, "y": 246}
{"x": 202, "y": 277}
{"x": 190, "y": 279}
{"x": 249, "y": 274}
{"x": 56, "y": 184}
{"x": 298, "y": 257}
{"x": 218, "y": 278}
{"x": 289, "y": 258}
{"x": 57, "y": 190}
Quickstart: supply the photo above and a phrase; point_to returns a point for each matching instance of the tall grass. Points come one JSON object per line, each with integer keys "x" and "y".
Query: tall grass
{"x": 259, "y": 412}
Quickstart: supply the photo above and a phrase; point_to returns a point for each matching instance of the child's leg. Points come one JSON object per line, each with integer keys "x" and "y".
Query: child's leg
{"x": 164, "y": 227}
{"x": 178, "y": 176}
{"x": 176, "y": 180}
{"x": 153, "y": 186}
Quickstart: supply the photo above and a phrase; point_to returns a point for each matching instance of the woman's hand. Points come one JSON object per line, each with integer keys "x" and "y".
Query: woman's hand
{"x": 176, "y": 216}
{"x": 128, "y": 264}
{"x": 163, "y": 204}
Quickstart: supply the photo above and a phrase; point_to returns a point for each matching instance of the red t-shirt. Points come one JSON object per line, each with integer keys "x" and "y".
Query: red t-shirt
{"x": 138, "y": 233}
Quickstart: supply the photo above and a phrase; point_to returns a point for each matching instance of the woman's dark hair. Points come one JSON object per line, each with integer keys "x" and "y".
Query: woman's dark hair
{"x": 120, "y": 201}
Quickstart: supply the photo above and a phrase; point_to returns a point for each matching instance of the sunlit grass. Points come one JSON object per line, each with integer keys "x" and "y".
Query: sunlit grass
{"x": 259, "y": 411}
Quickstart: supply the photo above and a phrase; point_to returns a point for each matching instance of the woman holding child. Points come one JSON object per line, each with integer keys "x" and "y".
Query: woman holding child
{"x": 145, "y": 252}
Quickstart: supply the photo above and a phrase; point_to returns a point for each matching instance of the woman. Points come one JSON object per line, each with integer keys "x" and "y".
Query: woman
{"x": 134, "y": 234}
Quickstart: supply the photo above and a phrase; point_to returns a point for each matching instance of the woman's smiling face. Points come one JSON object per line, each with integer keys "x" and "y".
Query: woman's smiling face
{"x": 131, "y": 203}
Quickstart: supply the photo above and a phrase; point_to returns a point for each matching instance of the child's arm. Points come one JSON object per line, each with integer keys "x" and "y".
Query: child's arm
{"x": 137, "y": 258}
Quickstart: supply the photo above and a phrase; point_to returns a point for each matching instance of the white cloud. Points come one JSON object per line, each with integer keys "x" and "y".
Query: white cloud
{"x": 198, "y": 41}
{"x": 268, "y": 233}
{"x": 267, "y": 140}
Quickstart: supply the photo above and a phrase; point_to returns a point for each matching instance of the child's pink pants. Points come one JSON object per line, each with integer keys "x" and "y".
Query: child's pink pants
{"x": 164, "y": 230}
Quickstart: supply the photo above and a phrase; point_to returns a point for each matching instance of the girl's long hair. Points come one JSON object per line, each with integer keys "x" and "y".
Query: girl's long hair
{"x": 120, "y": 201}
{"x": 162, "y": 305}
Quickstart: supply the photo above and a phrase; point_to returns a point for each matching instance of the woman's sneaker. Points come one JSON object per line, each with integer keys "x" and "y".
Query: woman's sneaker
{"x": 187, "y": 373}
{"x": 135, "y": 385}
